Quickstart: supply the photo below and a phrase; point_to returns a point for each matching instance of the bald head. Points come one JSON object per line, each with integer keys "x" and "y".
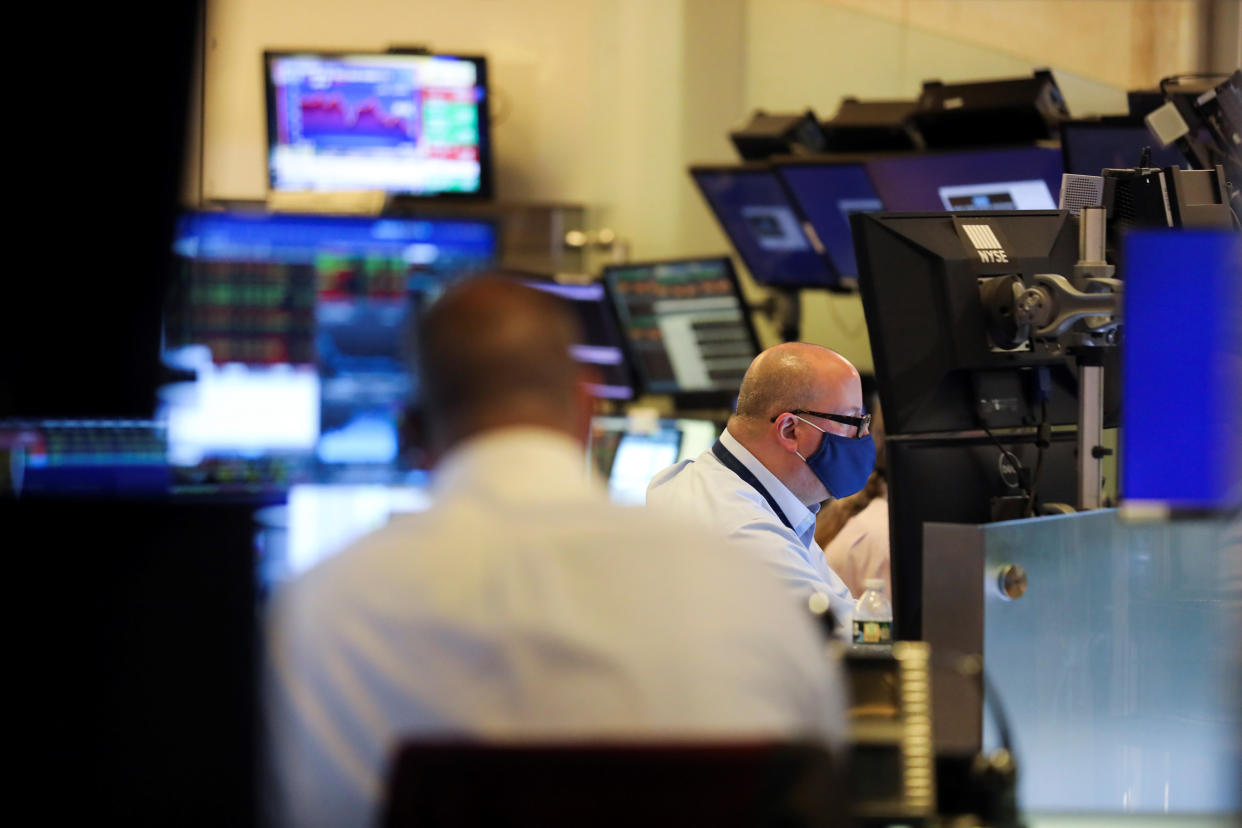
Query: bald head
{"x": 796, "y": 375}
{"x": 494, "y": 353}
{"x": 792, "y": 377}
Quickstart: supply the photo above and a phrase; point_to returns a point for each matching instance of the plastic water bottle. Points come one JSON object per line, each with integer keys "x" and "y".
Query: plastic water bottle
{"x": 873, "y": 616}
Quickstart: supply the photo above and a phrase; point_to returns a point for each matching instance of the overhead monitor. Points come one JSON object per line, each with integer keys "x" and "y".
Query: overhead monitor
{"x": 685, "y": 324}
{"x": 401, "y": 123}
{"x": 936, "y": 366}
{"x": 1022, "y": 178}
{"x": 298, "y": 323}
{"x": 601, "y": 347}
{"x": 1087, "y": 147}
{"x": 828, "y": 193}
{"x": 764, "y": 226}
{"x": 1183, "y": 347}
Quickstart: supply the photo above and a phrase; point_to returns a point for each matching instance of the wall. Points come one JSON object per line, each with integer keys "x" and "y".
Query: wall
{"x": 589, "y": 96}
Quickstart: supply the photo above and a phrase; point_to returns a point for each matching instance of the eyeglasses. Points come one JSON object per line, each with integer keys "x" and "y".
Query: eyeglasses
{"x": 863, "y": 423}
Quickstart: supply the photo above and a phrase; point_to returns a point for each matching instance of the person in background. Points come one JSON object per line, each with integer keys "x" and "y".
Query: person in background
{"x": 523, "y": 604}
{"x": 854, "y": 531}
{"x": 799, "y": 436}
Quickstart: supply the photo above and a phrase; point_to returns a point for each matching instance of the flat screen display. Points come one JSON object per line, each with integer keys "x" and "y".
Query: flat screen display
{"x": 407, "y": 124}
{"x": 293, "y": 328}
{"x": 1091, "y": 146}
{"x": 685, "y": 324}
{"x": 775, "y": 242}
{"x": 628, "y": 452}
{"x": 1182, "y": 325}
{"x": 828, "y": 194}
{"x": 1024, "y": 178}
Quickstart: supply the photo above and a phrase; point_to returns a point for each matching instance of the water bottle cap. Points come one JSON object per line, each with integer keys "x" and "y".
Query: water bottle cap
{"x": 874, "y": 583}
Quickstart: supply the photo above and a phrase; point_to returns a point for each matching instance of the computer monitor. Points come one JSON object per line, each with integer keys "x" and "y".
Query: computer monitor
{"x": 85, "y": 457}
{"x": 1016, "y": 178}
{"x": 601, "y": 348}
{"x": 970, "y": 480}
{"x": 829, "y": 192}
{"x": 299, "y": 321}
{"x": 686, "y": 326}
{"x": 774, "y": 240}
{"x": 937, "y": 367}
{"x": 1183, "y": 347}
{"x": 628, "y": 452}
{"x": 401, "y": 123}
{"x": 1087, "y": 147}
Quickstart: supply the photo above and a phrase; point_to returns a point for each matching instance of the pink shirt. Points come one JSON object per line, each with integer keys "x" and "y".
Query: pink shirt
{"x": 860, "y": 550}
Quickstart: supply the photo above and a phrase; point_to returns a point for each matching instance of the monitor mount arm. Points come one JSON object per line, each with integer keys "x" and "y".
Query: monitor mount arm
{"x": 1050, "y": 309}
{"x": 1081, "y": 315}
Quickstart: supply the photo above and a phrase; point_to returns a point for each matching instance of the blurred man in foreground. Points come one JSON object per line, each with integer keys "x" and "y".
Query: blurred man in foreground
{"x": 799, "y": 437}
{"x": 523, "y": 603}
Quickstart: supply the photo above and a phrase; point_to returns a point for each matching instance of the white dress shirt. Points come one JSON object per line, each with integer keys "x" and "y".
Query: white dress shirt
{"x": 707, "y": 489}
{"x": 524, "y": 604}
{"x": 860, "y": 550}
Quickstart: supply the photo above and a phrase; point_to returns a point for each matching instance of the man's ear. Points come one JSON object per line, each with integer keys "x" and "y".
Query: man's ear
{"x": 786, "y": 433}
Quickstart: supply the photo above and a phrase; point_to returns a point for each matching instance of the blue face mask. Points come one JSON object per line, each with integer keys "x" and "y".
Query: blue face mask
{"x": 842, "y": 464}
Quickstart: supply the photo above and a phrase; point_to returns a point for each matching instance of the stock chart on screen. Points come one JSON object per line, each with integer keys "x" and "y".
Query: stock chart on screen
{"x": 411, "y": 124}
{"x": 294, "y": 327}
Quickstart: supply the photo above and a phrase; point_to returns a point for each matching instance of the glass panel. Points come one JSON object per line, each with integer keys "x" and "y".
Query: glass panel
{"x": 1120, "y": 668}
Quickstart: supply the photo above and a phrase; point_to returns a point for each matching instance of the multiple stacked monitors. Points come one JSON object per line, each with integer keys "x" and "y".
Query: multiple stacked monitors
{"x": 685, "y": 323}
{"x": 789, "y": 222}
{"x": 408, "y": 124}
{"x": 942, "y": 381}
{"x": 294, "y": 329}
{"x": 765, "y": 226}
{"x": 1183, "y": 331}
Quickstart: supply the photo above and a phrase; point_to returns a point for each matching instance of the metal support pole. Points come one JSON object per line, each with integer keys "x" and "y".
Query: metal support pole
{"x": 1090, "y": 435}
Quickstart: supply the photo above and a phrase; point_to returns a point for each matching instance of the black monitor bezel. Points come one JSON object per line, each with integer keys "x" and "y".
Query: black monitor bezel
{"x": 683, "y": 400}
{"x": 834, "y": 284}
{"x": 486, "y": 190}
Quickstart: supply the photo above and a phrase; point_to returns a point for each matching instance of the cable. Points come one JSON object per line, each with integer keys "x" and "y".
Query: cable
{"x": 1017, "y": 462}
{"x": 1042, "y": 441}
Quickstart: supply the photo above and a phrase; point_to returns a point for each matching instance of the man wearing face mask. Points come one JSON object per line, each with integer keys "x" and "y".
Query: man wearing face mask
{"x": 799, "y": 437}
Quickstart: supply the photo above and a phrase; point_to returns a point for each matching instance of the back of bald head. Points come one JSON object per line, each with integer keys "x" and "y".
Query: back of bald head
{"x": 785, "y": 377}
{"x": 492, "y": 353}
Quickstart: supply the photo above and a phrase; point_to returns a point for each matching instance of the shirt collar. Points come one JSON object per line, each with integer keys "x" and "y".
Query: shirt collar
{"x": 517, "y": 461}
{"x": 796, "y": 512}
